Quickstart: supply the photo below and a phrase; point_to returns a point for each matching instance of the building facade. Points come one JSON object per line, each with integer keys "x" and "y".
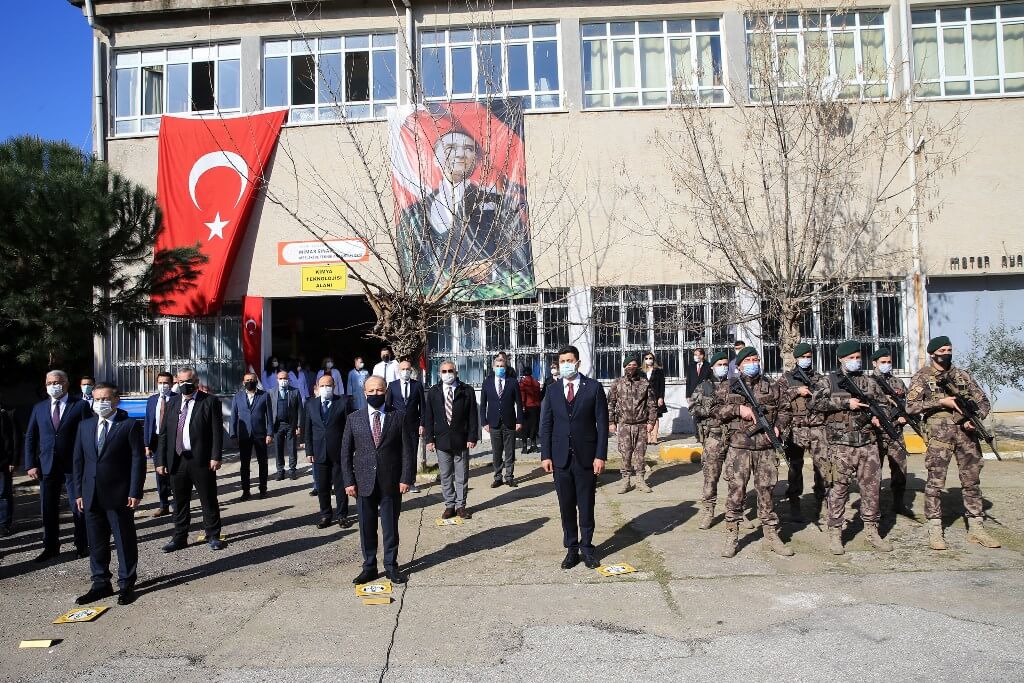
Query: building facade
{"x": 597, "y": 80}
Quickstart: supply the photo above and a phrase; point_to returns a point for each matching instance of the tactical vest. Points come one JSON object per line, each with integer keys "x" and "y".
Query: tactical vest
{"x": 848, "y": 427}
{"x": 744, "y": 433}
{"x": 959, "y": 379}
{"x": 803, "y": 416}
{"x": 708, "y": 388}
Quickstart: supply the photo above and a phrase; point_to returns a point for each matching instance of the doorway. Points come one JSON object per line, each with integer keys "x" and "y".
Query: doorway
{"x": 315, "y": 327}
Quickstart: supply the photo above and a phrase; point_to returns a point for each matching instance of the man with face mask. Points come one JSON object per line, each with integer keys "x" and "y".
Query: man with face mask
{"x": 356, "y": 380}
{"x": 851, "y": 434}
{"x": 330, "y": 369}
{"x": 49, "y": 444}
{"x": 501, "y": 414}
{"x": 894, "y": 452}
{"x": 109, "y": 471}
{"x": 387, "y": 367}
{"x": 451, "y": 429}
{"x": 252, "y": 425}
{"x": 324, "y": 426}
{"x": 156, "y": 408}
{"x": 750, "y": 450}
{"x": 86, "y": 384}
{"x": 406, "y": 394}
{"x": 286, "y": 421}
{"x": 712, "y": 432}
{"x": 950, "y": 435}
{"x": 633, "y": 414}
{"x": 805, "y": 436}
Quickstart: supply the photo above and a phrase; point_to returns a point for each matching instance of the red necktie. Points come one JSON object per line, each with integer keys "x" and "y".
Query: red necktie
{"x": 572, "y": 393}
{"x": 56, "y": 415}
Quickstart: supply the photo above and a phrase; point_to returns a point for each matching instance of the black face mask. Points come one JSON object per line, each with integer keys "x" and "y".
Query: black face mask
{"x": 187, "y": 388}
{"x": 944, "y": 360}
{"x": 251, "y": 385}
{"x": 375, "y": 400}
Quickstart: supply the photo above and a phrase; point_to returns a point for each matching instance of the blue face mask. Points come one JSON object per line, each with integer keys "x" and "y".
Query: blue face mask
{"x": 499, "y": 372}
{"x": 804, "y": 363}
{"x": 751, "y": 369}
{"x": 568, "y": 370}
{"x": 852, "y": 365}
{"x": 885, "y": 368}
{"x": 721, "y": 371}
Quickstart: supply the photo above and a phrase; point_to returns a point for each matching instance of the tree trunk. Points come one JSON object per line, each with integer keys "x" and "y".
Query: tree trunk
{"x": 789, "y": 336}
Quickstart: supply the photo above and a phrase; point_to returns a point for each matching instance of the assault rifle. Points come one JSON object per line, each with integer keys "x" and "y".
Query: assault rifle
{"x": 799, "y": 373}
{"x": 760, "y": 419}
{"x": 900, "y": 403}
{"x": 874, "y": 407}
{"x": 969, "y": 408}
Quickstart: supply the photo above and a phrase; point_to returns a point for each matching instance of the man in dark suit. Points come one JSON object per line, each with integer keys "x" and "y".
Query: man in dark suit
{"x": 378, "y": 464}
{"x": 109, "y": 472}
{"x": 156, "y": 409}
{"x": 286, "y": 419}
{"x": 324, "y": 427}
{"x": 251, "y": 424}
{"x": 451, "y": 429}
{"x": 574, "y": 445}
{"x": 49, "y": 445}
{"x": 190, "y": 447}
{"x": 501, "y": 413}
{"x": 407, "y": 394}
{"x": 697, "y": 371}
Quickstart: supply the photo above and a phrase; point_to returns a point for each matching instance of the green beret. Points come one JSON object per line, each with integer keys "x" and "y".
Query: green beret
{"x": 937, "y": 343}
{"x": 883, "y": 351}
{"x": 630, "y": 358}
{"x": 745, "y": 352}
{"x": 802, "y": 348}
{"x": 721, "y": 355}
{"x": 847, "y": 347}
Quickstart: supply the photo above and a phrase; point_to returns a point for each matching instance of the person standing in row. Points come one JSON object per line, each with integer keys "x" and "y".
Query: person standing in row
{"x": 297, "y": 379}
{"x": 49, "y": 445}
{"x": 805, "y": 436}
{"x": 633, "y": 414}
{"x": 574, "y": 447}
{"x": 190, "y": 450}
{"x": 406, "y": 394}
{"x": 551, "y": 378}
{"x": 109, "y": 472}
{"x": 451, "y": 428}
{"x": 356, "y": 381}
{"x": 950, "y": 435}
{"x": 656, "y": 379}
{"x": 529, "y": 389}
{"x": 156, "y": 408}
{"x": 893, "y": 452}
{"x": 269, "y": 377}
{"x": 711, "y": 432}
{"x": 697, "y": 371}
{"x": 252, "y": 425}
{"x": 387, "y": 368}
{"x": 86, "y": 383}
{"x": 328, "y": 368}
{"x": 286, "y": 423}
{"x": 324, "y": 426}
{"x": 501, "y": 410}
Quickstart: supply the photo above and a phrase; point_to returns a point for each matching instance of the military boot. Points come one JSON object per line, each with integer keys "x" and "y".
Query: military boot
{"x": 794, "y": 510}
{"x": 732, "y": 537}
{"x": 835, "y": 541}
{"x": 935, "y": 539}
{"x": 641, "y": 483}
{"x": 876, "y": 541}
{"x": 627, "y": 484}
{"x": 821, "y": 512}
{"x": 707, "y": 514}
{"x": 749, "y": 523}
{"x": 775, "y": 544}
{"x": 898, "y": 506}
{"x": 976, "y": 533}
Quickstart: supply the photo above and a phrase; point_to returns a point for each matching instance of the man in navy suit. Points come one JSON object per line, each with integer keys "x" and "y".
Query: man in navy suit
{"x": 574, "y": 445}
{"x": 49, "y": 445}
{"x": 408, "y": 395}
{"x": 109, "y": 471}
{"x": 324, "y": 427}
{"x": 501, "y": 411}
{"x": 251, "y": 424}
{"x": 286, "y": 419}
{"x": 156, "y": 408}
{"x": 378, "y": 464}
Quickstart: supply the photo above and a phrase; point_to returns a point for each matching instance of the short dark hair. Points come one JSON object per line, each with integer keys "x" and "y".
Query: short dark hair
{"x": 164, "y": 374}
{"x": 87, "y": 377}
{"x": 739, "y": 342}
{"x": 107, "y": 385}
{"x": 701, "y": 349}
{"x": 569, "y": 348}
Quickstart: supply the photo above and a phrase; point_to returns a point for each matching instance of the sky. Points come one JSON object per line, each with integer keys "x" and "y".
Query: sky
{"x": 46, "y": 50}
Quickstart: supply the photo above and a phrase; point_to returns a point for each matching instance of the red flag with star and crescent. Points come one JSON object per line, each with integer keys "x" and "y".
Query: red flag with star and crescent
{"x": 208, "y": 173}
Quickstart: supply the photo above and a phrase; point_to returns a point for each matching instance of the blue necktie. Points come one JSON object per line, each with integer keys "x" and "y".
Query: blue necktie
{"x": 102, "y": 438}
{"x": 325, "y": 408}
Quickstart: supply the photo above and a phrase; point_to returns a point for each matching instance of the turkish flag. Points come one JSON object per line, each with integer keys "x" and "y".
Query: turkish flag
{"x": 209, "y": 170}
{"x": 252, "y": 333}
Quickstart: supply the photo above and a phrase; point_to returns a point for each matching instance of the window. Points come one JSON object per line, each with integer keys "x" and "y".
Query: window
{"x": 213, "y": 346}
{"x": 871, "y": 311}
{"x": 652, "y": 63}
{"x": 969, "y": 51}
{"x": 520, "y": 60}
{"x": 150, "y": 83}
{"x": 847, "y": 52}
{"x": 331, "y": 77}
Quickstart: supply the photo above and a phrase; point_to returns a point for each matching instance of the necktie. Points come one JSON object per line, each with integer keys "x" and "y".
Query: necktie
{"x": 448, "y": 400}
{"x": 282, "y": 394}
{"x": 325, "y": 408}
{"x": 501, "y": 386}
{"x": 405, "y": 391}
{"x": 56, "y": 415}
{"x": 572, "y": 393}
{"x": 179, "y": 440}
{"x": 161, "y": 402}
{"x": 102, "y": 438}
{"x": 376, "y": 428}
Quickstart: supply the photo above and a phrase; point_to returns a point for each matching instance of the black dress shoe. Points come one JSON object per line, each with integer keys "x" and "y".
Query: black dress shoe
{"x": 6, "y": 531}
{"x": 511, "y": 482}
{"x": 496, "y": 483}
{"x": 280, "y": 476}
{"x": 82, "y": 553}
{"x": 314, "y": 493}
{"x": 572, "y": 558}
{"x": 263, "y": 494}
{"x": 45, "y": 556}
{"x": 126, "y": 596}
{"x": 591, "y": 562}
{"x": 323, "y": 523}
{"x": 463, "y": 513}
{"x": 217, "y": 544}
{"x": 174, "y": 545}
{"x": 448, "y": 513}
{"x": 94, "y": 594}
{"x": 295, "y": 475}
{"x": 395, "y": 576}
{"x": 345, "y": 522}
{"x": 365, "y": 576}
{"x": 245, "y": 497}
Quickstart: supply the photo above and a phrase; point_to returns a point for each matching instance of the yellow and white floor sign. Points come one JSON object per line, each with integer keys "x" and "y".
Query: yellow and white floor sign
{"x": 385, "y": 600}
{"x": 374, "y": 589}
{"x": 615, "y": 569}
{"x": 38, "y": 643}
{"x": 452, "y": 521}
{"x": 80, "y": 614}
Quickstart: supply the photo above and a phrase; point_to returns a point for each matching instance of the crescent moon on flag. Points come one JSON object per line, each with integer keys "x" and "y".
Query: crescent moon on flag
{"x": 217, "y": 160}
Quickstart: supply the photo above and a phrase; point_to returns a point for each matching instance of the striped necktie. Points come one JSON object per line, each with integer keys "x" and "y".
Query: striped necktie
{"x": 448, "y": 400}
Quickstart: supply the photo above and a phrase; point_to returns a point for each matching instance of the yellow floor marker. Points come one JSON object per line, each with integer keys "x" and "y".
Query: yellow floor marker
{"x": 38, "y": 643}
{"x": 452, "y": 521}
{"x": 80, "y": 614}
{"x": 374, "y": 589}
{"x": 386, "y": 600}
{"x": 615, "y": 569}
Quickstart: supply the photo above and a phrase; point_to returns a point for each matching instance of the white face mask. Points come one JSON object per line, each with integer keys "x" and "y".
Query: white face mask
{"x": 163, "y": 389}
{"x": 55, "y": 390}
{"x": 406, "y": 374}
{"x": 885, "y": 368}
{"x": 283, "y": 383}
{"x": 103, "y": 407}
{"x": 359, "y": 365}
{"x": 852, "y": 365}
{"x": 721, "y": 371}
{"x": 554, "y": 372}
{"x": 448, "y": 377}
{"x": 804, "y": 363}
{"x": 329, "y": 364}
{"x": 325, "y": 392}
{"x": 649, "y": 362}
{"x": 698, "y": 359}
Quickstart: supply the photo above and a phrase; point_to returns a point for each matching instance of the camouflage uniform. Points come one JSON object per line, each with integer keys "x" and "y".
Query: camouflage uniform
{"x": 806, "y": 435}
{"x": 946, "y": 438}
{"x": 632, "y": 407}
{"x": 709, "y": 393}
{"x": 892, "y": 451}
{"x": 852, "y": 447}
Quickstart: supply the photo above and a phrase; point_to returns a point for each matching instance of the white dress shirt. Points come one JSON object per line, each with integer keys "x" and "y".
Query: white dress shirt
{"x": 387, "y": 369}
{"x": 99, "y": 426}
{"x": 186, "y": 436}
{"x": 370, "y": 410}
{"x": 63, "y": 401}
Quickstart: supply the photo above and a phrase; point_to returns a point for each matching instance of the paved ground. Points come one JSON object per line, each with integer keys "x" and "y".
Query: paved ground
{"x": 487, "y": 601}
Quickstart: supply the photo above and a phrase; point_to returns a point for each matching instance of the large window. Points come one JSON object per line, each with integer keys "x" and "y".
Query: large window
{"x": 212, "y": 346}
{"x": 670, "y": 319}
{"x": 150, "y": 83}
{"x": 844, "y": 52}
{"x": 969, "y": 51}
{"x": 652, "y": 63}
{"x": 331, "y": 77}
{"x": 520, "y": 60}
{"x": 870, "y": 311}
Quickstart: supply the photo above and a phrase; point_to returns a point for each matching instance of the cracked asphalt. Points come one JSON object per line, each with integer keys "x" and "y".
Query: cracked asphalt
{"x": 487, "y": 601}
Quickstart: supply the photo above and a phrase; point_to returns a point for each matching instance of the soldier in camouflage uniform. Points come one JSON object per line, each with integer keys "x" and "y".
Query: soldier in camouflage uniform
{"x": 750, "y": 450}
{"x": 633, "y": 413}
{"x": 852, "y": 442}
{"x": 712, "y": 433}
{"x": 948, "y": 436}
{"x": 895, "y": 452}
{"x": 805, "y": 435}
